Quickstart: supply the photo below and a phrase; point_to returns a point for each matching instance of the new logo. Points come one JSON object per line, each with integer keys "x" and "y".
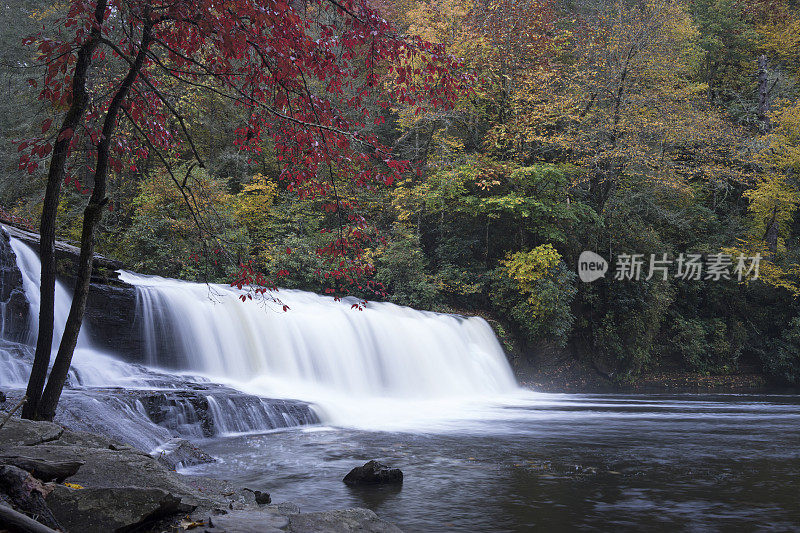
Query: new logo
{"x": 591, "y": 266}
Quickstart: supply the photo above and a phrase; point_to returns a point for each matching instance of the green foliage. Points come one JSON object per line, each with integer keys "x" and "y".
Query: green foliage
{"x": 163, "y": 237}
{"x": 729, "y": 44}
{"x": 403, "y": 269}
{"x": 535, "y": 290}
{"x": 783, "y": 360}
{"x": 707, "y": 345}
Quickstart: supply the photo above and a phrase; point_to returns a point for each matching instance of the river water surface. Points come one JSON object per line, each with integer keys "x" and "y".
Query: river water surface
{"x": 552, "y": 462}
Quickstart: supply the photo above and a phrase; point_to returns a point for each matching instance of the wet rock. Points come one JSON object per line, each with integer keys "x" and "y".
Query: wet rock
{"x": 2, "y": 397}
{"x": 111, "y": 320}
{"x": 17, "y": 432}
{"x": 14, "y": 304}
{"x": 341, "y": 521}
{"x": 247, "y": 522}
{"x": 178, "y": 411}
{"x": 111, "y": 509}
{"x": 67, "y": 254}
{"x": 125, "y": 489}
{"x": 261, "y": 498}
{"x": 43, "y": 470}
{"x": 104, "y": 468}
{"x": 85, "y": 439}
{"x": 284, "y": 508}
{"x": 177, "y": 453}
{"x": 373, "y": 472}
{"x": 23, "y": 492}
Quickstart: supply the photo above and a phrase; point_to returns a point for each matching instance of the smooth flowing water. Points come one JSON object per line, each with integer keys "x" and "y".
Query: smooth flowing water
{"x": 552, "y": 463}
{"x": 433, "y": 395}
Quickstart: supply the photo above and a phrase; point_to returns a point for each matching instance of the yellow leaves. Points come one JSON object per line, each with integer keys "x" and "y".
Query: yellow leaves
{"x": 784, "y": 141}
{"x": 770, "y": 270}
{"x": 529, "y": 267}
{"x": 52, "y": 11}
{"x": 255, "y": 200}
{"x": 186, "y": 523}
{"x": 74, "y": 486}
{"x": 780, "y": 36}
{"x": 526, "y": 268}
{"x": 408, "y": 199}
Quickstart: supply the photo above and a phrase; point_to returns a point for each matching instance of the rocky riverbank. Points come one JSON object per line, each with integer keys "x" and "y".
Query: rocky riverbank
{"x": 103, "y": 485}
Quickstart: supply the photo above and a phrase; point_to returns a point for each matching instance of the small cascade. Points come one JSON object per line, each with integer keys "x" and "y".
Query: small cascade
{"x": 15, "y": 364}
{"x": 247, "y": 414}
{"x": 31, "y": 269}
{"x": 148, "y": 418}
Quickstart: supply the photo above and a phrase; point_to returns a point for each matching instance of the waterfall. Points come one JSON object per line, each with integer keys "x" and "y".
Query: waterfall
{"x": 31, "y": 269}
{"x": 369, "y": 368}
{"x": 382, "y": 351}
{"x": 90, "y": 367}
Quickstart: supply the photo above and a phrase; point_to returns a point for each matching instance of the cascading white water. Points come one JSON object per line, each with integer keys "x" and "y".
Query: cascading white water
{"x": 31, "y": 268}
{"x": 383, "y": 351}
{"x": 361, "y": 368}
{"x": 90, "y": 366}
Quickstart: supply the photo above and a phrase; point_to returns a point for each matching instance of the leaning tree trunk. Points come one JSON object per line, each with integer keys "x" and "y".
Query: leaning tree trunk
{"x": 47, "y": 228}
{"x": 91, "y": 217}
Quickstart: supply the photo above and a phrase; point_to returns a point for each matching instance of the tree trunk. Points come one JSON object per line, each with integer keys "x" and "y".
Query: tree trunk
{"x": 47, "y": 228}
{"x": 91, "y": 217}
{"x": 763, "y": 93}
{"x": 771, "y": 233}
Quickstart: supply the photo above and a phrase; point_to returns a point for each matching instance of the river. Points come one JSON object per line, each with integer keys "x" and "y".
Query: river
{"x": 431, "y": 394}
{"x": 552, "y": 462}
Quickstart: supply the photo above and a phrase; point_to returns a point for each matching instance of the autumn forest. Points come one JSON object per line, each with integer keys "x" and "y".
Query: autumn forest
{"x": 661, "y": 127}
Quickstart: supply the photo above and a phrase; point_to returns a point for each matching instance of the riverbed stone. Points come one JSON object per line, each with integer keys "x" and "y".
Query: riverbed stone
{"x": 340, "y": 521}
{"x": 177, "y": 453}
{"x": 261, "y": 498}
{"x": 105, "y": 468}
{"x": 373, "y": 472}
{"x": 17, "y": 432}
{"x": 247, "y": 522}
{"x": 111, "y": 509}
{"x": 284, "y": 508}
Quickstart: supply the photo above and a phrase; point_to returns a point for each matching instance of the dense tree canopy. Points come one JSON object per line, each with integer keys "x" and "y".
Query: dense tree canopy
{"x": 330, "y": 146}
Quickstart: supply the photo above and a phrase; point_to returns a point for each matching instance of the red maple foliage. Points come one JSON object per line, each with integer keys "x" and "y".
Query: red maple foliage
{"x": 308, "y": 74}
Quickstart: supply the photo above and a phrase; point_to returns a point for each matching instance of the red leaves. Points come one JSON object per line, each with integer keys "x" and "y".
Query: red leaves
{"x": 271, "y": 58}
{"x": 65, "y": 134}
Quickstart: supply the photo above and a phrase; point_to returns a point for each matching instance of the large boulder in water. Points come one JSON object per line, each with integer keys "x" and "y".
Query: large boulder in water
{"x": 373, "y": 472}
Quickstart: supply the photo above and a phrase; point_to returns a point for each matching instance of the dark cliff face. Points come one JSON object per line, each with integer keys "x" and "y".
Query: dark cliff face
{"x": 111, "y": 320}
{"x": 110, "y": 309}
{"x": 14, "y": 304}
